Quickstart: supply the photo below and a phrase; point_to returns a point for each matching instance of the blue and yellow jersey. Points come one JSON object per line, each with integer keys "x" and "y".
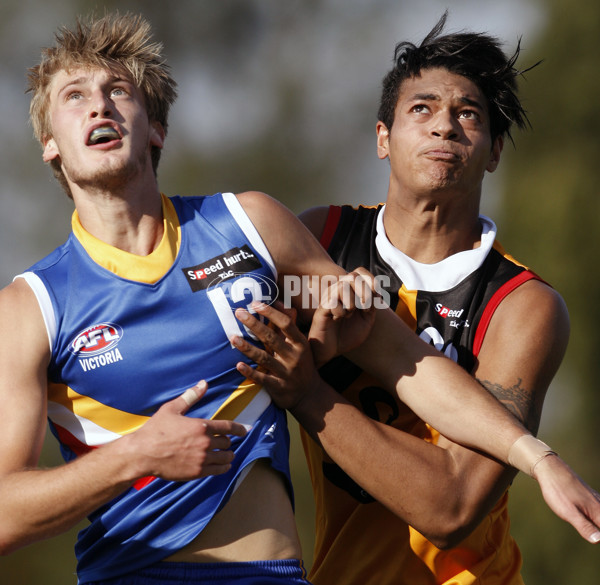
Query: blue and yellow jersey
{"x": 449, "y": 305}
{"x": 129, "y": 333}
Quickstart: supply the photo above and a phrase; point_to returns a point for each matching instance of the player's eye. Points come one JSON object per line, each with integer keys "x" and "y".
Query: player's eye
{"x": 420, "y": 109}
{"x": 469, "y": 115}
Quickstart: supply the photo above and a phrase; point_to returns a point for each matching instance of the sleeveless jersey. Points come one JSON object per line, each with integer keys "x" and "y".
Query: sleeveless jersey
{"x": 125, "y": 340}
{"x": 449, "y": 304}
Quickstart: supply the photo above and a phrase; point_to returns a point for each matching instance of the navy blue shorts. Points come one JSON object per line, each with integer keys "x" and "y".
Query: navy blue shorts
{"x": 285, "y": 572}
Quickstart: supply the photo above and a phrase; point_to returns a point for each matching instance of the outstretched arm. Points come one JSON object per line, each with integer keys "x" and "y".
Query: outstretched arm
{"x": 438, "y": 390}
{"x": 289, "y": 374}
{"x": 456, "y": 487}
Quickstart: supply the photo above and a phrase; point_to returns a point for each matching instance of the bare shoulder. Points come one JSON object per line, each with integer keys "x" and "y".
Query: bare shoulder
{"x": 538, "y": 304}
{"x": 315, "y": 219}
{"x": 271, "y": 218}
{"x": 256, "y": 203}
{"x": 267, "y": 210}
{"x": 532, "y": 319}
{"x": 21, "y": 321}
{"x": 24, "y": 355}
{"x": 255, "y": 199}
{"x": 523, "y": 348}
{"x": 293, "y": 248}
{"x": 17, "y": 296}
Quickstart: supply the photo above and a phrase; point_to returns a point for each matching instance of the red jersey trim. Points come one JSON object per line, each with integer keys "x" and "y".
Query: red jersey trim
{"x": 79, "y": 448}
{"x": 331, "y": 223}
{"x": 491, "y": 307}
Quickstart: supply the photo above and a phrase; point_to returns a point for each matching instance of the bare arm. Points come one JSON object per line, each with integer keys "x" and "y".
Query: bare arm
{"x": 315, "y": 219}
{"x": 38, "y": 503}
{"x": 523, "y": 348}
{"x": 289, "y": 375}
{"x": 294, "y": 249}
{"x": 521, "y": 364}
{"x": 438, "y": 390}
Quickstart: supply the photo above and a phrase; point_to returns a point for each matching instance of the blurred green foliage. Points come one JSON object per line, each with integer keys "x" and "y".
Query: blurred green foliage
{"x": 549, "y": 220}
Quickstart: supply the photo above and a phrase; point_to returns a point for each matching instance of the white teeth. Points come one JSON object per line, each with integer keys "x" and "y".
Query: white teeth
{"x": 103, "y": 134}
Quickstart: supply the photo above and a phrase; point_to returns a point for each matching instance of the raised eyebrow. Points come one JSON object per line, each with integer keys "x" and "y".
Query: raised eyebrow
{"x": 424, "y": 97}
{"x": 81, "y": 80}
{"x": 472, "y": 102}
{"x": 120, "y": 79}
{"x": 71, "y": 83}
{"x": 431, "y": 97}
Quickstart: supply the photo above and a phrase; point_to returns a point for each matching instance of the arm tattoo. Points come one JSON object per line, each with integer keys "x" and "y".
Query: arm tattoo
{"x": 517, "y": 400}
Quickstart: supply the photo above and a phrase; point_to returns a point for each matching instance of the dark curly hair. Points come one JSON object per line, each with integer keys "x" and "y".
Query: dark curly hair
{"x": 477, "y": 57}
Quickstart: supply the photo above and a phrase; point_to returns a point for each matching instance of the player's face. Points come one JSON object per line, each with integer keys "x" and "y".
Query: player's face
{"x": 440, "y": 139}
{"x": 100, "y": 128}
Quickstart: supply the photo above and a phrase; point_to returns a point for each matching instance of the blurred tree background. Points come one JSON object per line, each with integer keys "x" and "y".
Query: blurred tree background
{"x": 282, "y": 97}
{"x": 549, "y": 214}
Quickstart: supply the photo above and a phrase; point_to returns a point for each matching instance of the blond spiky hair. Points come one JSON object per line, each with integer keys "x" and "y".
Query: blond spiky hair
{"x": 117, "y": 42}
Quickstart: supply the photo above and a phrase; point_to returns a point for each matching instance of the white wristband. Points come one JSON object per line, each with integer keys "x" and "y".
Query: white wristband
{"x": 526, "y": 452}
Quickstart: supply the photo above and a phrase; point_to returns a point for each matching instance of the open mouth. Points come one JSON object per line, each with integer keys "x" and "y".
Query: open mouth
{"x": 102, "y": 135}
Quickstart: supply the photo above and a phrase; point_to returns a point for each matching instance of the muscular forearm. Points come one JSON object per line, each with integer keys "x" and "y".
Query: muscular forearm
{"x": 39, "y": 503}
{"x": 438, "y": 390}
{"x": 403, "y": 472}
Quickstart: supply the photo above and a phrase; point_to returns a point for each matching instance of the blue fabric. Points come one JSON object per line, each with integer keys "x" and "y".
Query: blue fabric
{"x": 162, "y": 338}
{"x": 285, "y": 572}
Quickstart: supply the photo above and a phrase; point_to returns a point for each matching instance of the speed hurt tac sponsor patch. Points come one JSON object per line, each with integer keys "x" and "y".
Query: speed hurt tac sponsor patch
{"x": 222, "y": 267}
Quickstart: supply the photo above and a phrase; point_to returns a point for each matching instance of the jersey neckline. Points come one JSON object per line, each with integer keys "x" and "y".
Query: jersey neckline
{"x": 442, "y": 275}
{"x": 148, "y": 269}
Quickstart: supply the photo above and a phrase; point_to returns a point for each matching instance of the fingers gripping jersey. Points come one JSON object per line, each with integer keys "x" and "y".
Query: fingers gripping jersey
{"x": 127, "y": 339}
{"x": 449, "y": 305}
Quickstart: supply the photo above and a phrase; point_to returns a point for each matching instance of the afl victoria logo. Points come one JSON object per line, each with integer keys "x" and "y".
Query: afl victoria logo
{"x": 96, "y": 339}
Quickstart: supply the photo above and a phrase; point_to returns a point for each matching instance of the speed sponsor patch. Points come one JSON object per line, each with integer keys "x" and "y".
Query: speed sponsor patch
{"x": 221, "y": 268}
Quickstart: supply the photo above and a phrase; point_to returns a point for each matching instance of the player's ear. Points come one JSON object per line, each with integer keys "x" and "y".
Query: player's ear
{"x": 50, "y": 150}
{"x": 383, "y": 140}
{"x": 495, "y": 154}
{"x": 157, "y": 134}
